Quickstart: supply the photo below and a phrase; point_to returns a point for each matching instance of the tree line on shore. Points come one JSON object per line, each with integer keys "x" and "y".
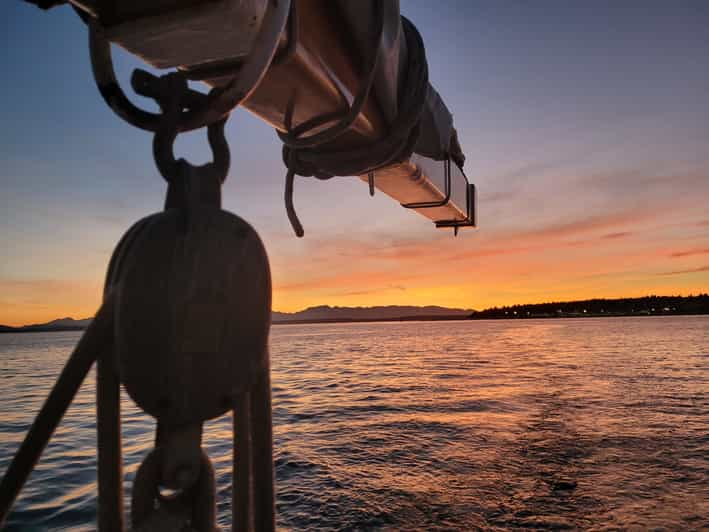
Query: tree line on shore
{"x": 636, "y": 306}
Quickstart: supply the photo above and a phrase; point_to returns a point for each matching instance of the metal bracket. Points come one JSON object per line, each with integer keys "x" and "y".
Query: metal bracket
{"x": 447, "y": 191}
{"x": 471, "y": 218}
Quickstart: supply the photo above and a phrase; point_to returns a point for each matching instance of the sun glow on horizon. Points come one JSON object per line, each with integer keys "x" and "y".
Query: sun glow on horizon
{"x": 586, "y": 142}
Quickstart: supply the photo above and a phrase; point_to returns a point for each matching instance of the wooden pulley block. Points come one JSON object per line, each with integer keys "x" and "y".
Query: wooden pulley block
{"x": 193, "y": 310}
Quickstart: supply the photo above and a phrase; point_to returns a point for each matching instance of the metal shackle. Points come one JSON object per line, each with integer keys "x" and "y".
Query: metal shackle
{"x": 196, "y": 505}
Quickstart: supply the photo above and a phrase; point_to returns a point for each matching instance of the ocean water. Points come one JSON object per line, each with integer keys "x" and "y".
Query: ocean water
{"x": 588, "y": 424}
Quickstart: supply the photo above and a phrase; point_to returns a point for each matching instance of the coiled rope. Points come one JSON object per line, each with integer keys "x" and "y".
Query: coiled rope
{"x": 308, "y": 156}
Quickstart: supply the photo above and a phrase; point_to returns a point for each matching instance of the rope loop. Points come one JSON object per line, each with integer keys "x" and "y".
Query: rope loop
{"x": 310, "y": 155}
{"x": 219, "y": 103}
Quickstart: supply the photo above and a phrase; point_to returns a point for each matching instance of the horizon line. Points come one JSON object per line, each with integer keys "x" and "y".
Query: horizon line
{"x": 700, "y": 294}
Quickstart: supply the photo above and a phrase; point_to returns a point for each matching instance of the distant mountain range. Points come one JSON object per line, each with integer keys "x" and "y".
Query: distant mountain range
{"x": 326, "y": 313}
{"x": 639, "y": 306}
{"x": 61, "y": 324}
{"x": 319, "y": 314}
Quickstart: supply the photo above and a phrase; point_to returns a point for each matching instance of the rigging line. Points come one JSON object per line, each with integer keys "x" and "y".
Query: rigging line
{"x": 96, "y": 338}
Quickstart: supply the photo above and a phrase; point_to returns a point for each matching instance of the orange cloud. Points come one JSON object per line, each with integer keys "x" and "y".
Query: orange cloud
{"x": 690, "y": 253}
{"x": 527, "y": 250}
{"x": 690, "y": 270}
{"x": 573, "y": 259}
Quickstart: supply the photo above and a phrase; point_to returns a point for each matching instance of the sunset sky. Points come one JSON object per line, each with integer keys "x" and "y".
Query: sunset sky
{"x": 586, "y": 130}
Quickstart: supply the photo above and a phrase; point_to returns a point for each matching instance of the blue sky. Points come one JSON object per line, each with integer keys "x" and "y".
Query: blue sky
{"x": 585, "y": 125}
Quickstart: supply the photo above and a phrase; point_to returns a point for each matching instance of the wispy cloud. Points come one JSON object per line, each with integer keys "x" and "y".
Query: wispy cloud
{"x": 390, "y": 288}
{"x": 612, "y": 236}
{"x": 593, "y": 223}
{"x": 690, "y": 253}
{"x": 690, "y": 270}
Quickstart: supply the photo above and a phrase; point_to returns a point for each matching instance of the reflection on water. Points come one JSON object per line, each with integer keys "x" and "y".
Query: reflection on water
{"x": 596, "y": 423}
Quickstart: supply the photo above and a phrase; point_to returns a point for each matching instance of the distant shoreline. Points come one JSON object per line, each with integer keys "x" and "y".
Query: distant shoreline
{"x": 372, "y": 320}
{"x": 482, "y": 318}
{"x": 404, "y": 319}
{"x": 285, "y": 322}
{"x": 589, "y": 308}
{"x": 586, "y": 316}
{"x": 24, "y": 330}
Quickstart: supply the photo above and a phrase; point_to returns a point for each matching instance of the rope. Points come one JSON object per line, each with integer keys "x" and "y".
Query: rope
{"x": 218, "y": 103}
{"x": 95, "y": 340}
{"x": 307, "y": 157}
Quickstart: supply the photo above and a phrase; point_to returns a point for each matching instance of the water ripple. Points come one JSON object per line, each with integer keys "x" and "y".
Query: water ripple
{"x": 592, "y": 424}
